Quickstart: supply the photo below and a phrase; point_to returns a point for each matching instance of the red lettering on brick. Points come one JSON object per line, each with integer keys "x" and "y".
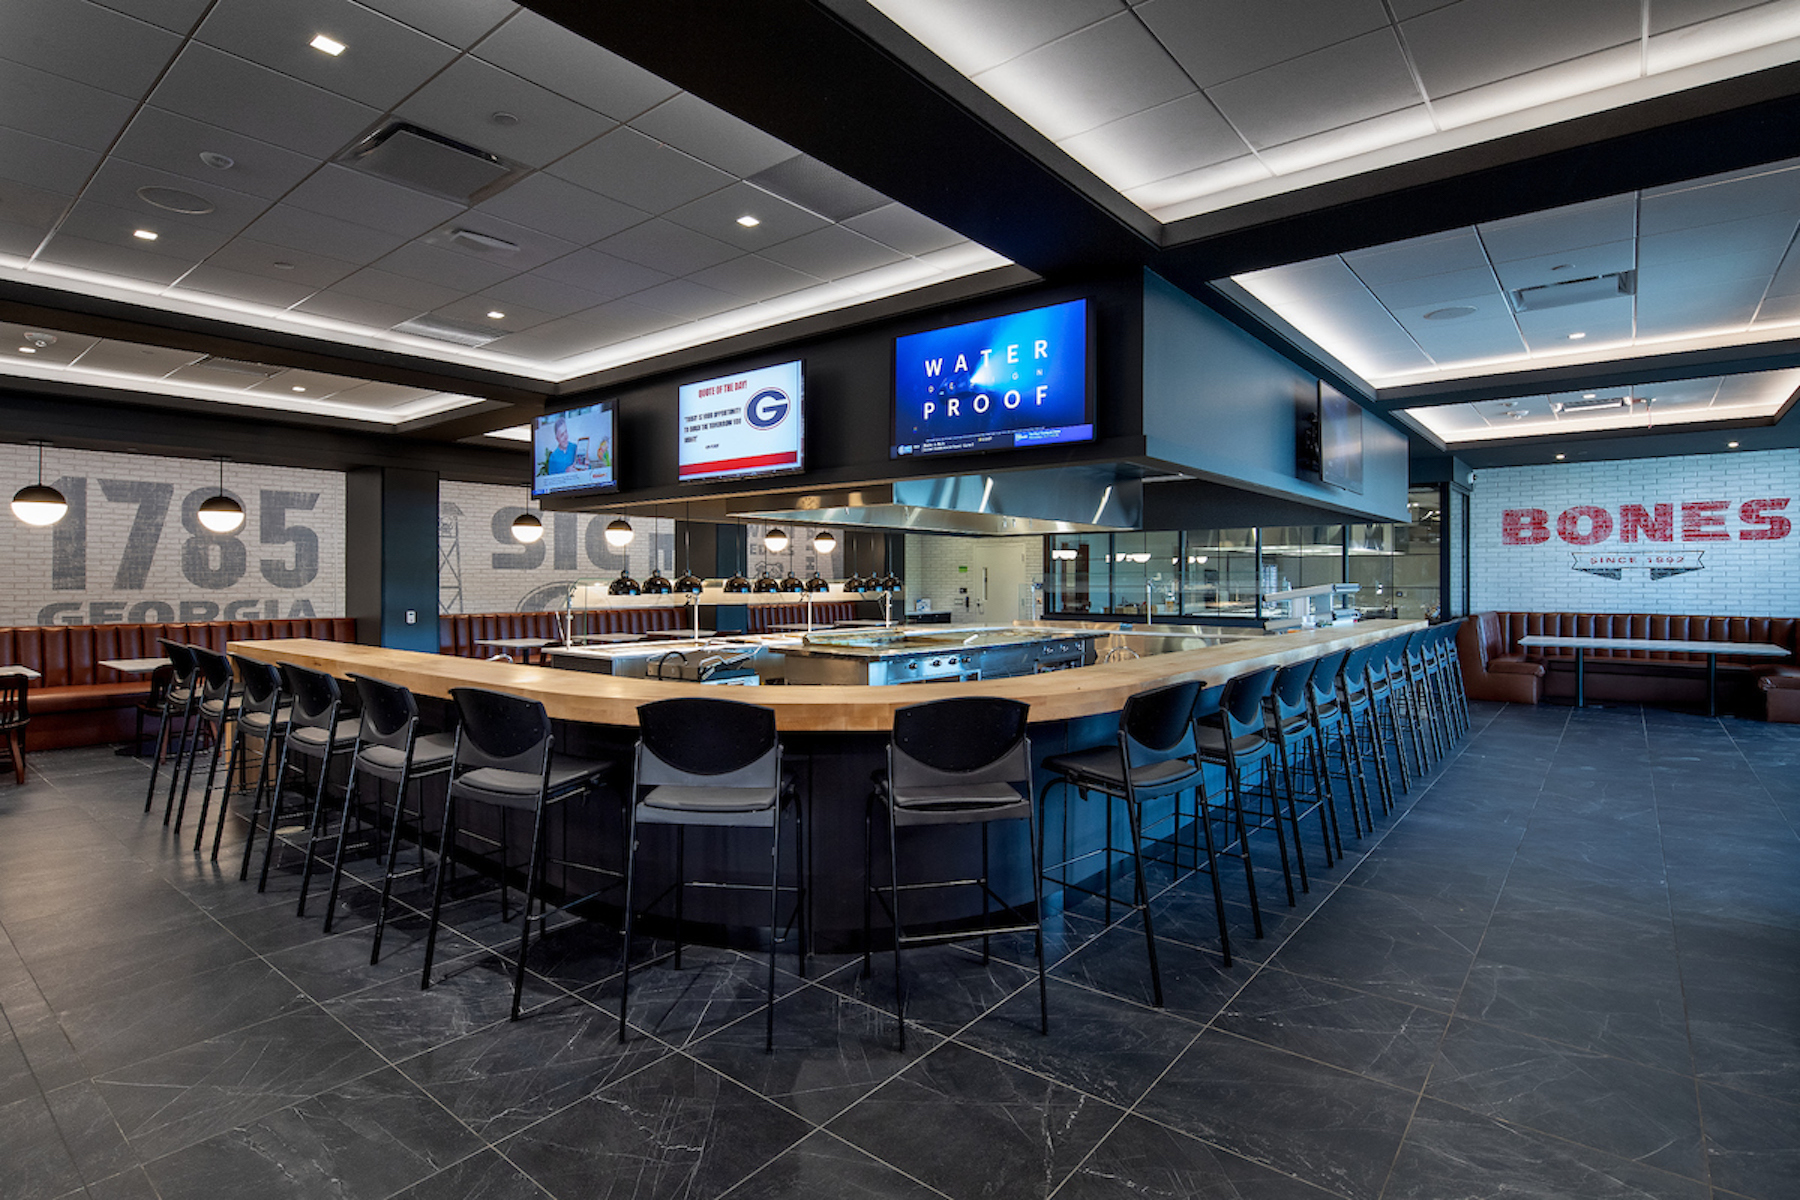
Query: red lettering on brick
{"x": 1704, "y": 521}
{"x": 1524, "y": 527}
{"x": 1634, "y": 520}
{"x": 1756, "y": 512}
{"x": 1600, "y": 525}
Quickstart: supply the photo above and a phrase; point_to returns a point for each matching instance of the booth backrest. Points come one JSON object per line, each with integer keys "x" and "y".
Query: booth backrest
{"x": 458, "y": 633}
{"x": 1502, "y": 631}
{"x": 762, "y": 618}
{"x": 67, "y": 654}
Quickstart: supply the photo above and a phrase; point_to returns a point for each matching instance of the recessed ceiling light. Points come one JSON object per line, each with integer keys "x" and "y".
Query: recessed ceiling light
{"x": 33, "y": 350}
{"x": 1587, "y": 395}
{"x": 145, "y": 234}
{"x": 327, "y": 45}
{"x": 1576, "y": 337}
{"x": 299, "y": 389}
{"x": 1559, "y": 458}
{"x": 1450, "y": 314}
{"x": 1731, "y": 445}
{"x": 217, "y": 161}
{"x": 496, "y": 314}
{"x": 749, "y": 222}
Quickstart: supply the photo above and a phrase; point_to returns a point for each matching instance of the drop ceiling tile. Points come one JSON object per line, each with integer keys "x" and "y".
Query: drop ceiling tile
{"x": 905, "y": 230}
{"x": 70, "y": 250}
{"x": 604, "y": 275}
{"x": 552, "y": 297}
{"x": 1095, "y": 75}
{"x": 461, "y": 24}
{"x": 713, "y": 135}
{"x": 462, "y": 101}
{"x": 317, "y": 384}
{"x": 754, "y": 278}
{"x": 640, "y": 171}
{"x": 337, "y": 191}
{"x": 380, "y": 395}
{"x": 1436, "y": 291}
{"x": 530, "y": 249}
{"x": 204, "y": 376}
{"x": 974, "y": 37}
{"x": 44, "y": 165}
{"x": 1583, "y": 262}
{"x": 1417, "y": 258}
{"x": 65, "y": 349}
{"x": 85, "y": 42}
{"x": 212, "y": 86}
{"x": 1766, "y": 236}
{"x": 118, "y": 182}
{"x": 1713, "y": 203}
{"x": 357, "y": 310}
{"x": 1475, "y": 42}
{"x": 21, "y": 239}
{"x": 595, "y": 329}
{"x": 1673, "y": 14}
{"x": 474, "y": 310}
{"x": 1467, "y": 340}
{"x": 1183, "y": 135}
{"x": 177, "y": 237}
{"x": 433, "y": 264}
{"x": 1216, "y": 40}
{"x": 177, "y": 16}
{"x": 237, "y": 285}
{"x": 1779, "y": 310}
{"x": 1365, "y": 335}
{"x": 831, "y": 253}
{"x": 667, "y": 247}
{"x": 1697, "y": 308}
{"x": 1353, "y": 81}
{"x": 1604, "y": 321}
{"x": 385, "y": 287}
{"x": 299, "y": 229}
{"x": 1613, "y": 219}
{"x": 174, "y": 143}
{"x": 542, "y": 201}
{"x": 131, "y": 358}
{"x": 686, "y": 299}
{"x": 62, "y": 110}
{"x": 382, "y": 61}
{"x": 588, "y": 74}
{"x": 1311, "y": 280}
{"x": 716, "y": 215}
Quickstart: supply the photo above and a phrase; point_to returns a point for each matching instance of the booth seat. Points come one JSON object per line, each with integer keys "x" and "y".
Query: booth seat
{"x": 1496, "y": 667}
{"x": 763, "y": 618}
{"x": 80, "y": 703}
{"x": 458, "y": 633}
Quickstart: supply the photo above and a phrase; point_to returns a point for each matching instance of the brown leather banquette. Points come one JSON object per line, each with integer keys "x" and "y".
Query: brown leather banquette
{"x": 80, "y": 703}
{"x": 1496, "y": 667}
{"x": 458, "y": 633}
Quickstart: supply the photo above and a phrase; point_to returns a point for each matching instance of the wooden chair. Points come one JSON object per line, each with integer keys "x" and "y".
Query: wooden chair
{"x": 15, "y": 714}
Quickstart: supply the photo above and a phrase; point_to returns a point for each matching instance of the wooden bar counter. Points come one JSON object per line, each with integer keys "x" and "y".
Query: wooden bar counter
{"x": 605, "y": 700}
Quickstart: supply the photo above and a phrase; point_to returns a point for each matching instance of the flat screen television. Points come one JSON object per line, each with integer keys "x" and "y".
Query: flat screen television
{"x": 573, "y": 451}
{"x": 1004, "y": 383}
{"x": 751, "y": 423}
{"x": 1340, "y": 439}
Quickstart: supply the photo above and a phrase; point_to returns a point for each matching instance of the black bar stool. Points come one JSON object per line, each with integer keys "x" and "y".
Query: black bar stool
{"x": 504, "y": 758}
{"x": 155, "y": 703}
{"x": 1453, "y": 667}
{"x": 263, "y": 717}
{"x": 1421, "y": 699}
{"x": 1288, "y": 715}
{"x": 1386, "y": 673}
{"x": 389, "y": 749}
{"x": 1154, "y": 757}
{"x": 217, "y": 709}
{"x": 1239, "y": 741}
{"x": 1330, "y": 719}
{"x": 715, "y": 764}
{"x": 1365, "y": 727}
{"x": 965, "y": 761}
{"x": 178, "y": 704}
{"x": 315, "y": 732}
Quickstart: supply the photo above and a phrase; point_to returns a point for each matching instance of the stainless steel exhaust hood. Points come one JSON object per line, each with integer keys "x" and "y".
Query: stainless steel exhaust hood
{"x": 1075, "y": 499}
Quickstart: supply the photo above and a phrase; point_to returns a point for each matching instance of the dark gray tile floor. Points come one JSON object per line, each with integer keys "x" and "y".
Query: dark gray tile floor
{"x": 1567, "y": 966}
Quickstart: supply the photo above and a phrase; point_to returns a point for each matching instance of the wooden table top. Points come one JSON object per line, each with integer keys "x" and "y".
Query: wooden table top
{"x": 606, "y": 700}
{"x": 1660, "y": 645}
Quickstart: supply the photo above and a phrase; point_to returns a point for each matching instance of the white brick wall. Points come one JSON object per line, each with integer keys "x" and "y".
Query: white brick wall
{"x": 1738, "y": 577}
{"x": 938, "y": 567}
{"x": 130, "y": 548}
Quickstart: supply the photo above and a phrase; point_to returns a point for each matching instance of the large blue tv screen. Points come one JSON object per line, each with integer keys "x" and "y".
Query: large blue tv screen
{"x": 1005, "y": 383}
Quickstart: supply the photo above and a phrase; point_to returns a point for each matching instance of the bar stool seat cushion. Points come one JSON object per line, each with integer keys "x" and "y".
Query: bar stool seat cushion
{"x": 432, "y": 752}
{"x": 211, "y": 707}
{"x": 1101, "y": 767}
{"x": 688, "y": 804}
{"x": 519, "y": 789}
{"x": 956, "y": 804}
{"x": 1211, "y": 741}
{"x": 310, "y": 739}
{"x": 257, "y": 723}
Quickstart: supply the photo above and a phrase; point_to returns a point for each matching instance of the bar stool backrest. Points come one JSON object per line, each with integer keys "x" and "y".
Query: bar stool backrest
{"x": 1418, "y": 644}
{"x": 968, "y": 739}
{"x": 503, "y": 731}
{"x": 1354, "y": 675}
{"x": 1287, "y": 696}
{"x": 262, "y": 684}
{"x": 216, "y": 679}
{"x": 725, "y": 742}
{"x": 183, "y": 659}
{"x": 316, "y": 697}
{"x": 389, "y": 713}
{"x": 1241, "y": 705}
{"x": 1158, "y": 725}
{"x": 1325, "y": 677}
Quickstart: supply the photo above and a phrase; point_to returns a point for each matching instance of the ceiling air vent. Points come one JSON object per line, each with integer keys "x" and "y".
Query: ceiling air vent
{"x": 1575, "y": 291}
{"x": 449, "y": 331}
{"x": 1598, "y": 404}
{"x": 430, "y": 162}
{"x": 818, "y": 188}
{"x": 238, "y": 366}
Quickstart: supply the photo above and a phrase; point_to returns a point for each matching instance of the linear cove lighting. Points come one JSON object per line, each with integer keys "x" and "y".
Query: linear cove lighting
{"x": 328, "y": 45}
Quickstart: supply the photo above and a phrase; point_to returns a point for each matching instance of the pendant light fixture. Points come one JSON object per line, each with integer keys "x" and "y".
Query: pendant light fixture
{"x": 619, "y": 533}
{"x": 688, "y": 582}
{"x": 775, "y": 540}
{"x": 656, "y": 583}
{"x": 526, "y": 527}
{"x": 36, "y": 503}
{"x": 824, "y": 541}
{"x": 221, "y": 513}
{"x": 737, "y": 583}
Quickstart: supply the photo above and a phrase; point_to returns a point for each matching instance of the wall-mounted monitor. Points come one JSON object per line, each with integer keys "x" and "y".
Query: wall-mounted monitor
{"x": 1340, "y": 439}
{"x": 751, "y": 423}
{"x": 573, "y": 451}
{"x": 1004, "y": 383}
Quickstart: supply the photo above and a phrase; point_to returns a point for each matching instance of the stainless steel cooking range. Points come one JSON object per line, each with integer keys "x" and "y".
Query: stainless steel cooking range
{"x": 884, "y": 656}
